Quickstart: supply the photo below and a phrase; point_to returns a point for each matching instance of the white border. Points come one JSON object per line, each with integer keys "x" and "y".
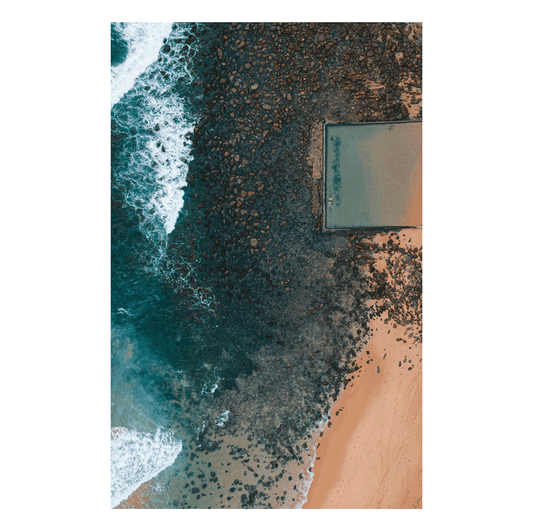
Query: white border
{"x": 101, "y": 13}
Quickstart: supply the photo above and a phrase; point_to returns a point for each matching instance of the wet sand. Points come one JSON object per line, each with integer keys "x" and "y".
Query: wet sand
{"x": 138, "y": 499}
{"x": 371, "y": 456}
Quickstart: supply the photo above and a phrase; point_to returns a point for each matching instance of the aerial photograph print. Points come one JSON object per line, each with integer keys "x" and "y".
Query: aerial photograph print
{"x": 266, "y": 265}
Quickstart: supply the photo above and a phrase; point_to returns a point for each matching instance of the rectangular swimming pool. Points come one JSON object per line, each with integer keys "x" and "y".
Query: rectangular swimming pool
{"x": 372, "y": 175}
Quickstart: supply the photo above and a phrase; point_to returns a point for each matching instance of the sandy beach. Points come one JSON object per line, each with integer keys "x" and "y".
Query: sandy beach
{"x": 371, "y": 455}
{"x": 138, "y": 499}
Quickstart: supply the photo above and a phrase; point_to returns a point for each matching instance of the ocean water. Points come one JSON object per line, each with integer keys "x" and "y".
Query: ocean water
{"x": 193, "y": 392}
{"x": 157, "y": 120}
{"x": 221, "y": 381}
{"x": 151, "y": 126}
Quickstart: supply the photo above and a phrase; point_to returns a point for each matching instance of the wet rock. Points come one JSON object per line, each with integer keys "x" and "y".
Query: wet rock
{"x": 271, "y": 147}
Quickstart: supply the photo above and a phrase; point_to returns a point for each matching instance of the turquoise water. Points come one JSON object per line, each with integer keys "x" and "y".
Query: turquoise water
{"x": 371, "y": 175}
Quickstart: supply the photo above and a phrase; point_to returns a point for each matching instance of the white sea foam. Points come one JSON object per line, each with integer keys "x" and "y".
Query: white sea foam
{"x": 137, "y": 457}
{"x": 223, "y": 418}
{"x": 305, "y": 485}
{"x": 156, "y": 173}
{"x": 144, "y": 40}
{"x": 172, "y": 165}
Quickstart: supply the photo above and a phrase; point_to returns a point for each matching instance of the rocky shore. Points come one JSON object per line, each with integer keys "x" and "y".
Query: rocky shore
{"x": 249, "y": 248}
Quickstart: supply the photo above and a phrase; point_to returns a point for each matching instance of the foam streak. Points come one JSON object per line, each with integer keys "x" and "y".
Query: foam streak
{"x": 144, "y": 40}
{"x": 138, "y": 457}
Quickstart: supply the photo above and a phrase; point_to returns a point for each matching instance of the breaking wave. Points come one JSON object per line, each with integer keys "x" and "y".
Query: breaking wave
{"x": 138, "y": 457}
{"x": 154, "y": 122}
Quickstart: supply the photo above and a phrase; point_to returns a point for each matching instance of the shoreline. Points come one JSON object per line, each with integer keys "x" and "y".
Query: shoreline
{"x": 138, "y": 498}
{"x": 371, "y": 455}
{"x": 354, "y": 468}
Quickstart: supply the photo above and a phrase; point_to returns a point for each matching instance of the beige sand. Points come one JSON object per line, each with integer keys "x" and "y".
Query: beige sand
{"x": 138, "y": 499}
{"x": 371, "y": 456}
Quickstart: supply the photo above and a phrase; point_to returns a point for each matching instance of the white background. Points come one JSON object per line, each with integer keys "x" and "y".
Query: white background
{"x": 101, "y": 14}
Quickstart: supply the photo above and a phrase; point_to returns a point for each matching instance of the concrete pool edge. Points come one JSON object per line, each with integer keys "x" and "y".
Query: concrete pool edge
{"x": 323, "y": 169}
